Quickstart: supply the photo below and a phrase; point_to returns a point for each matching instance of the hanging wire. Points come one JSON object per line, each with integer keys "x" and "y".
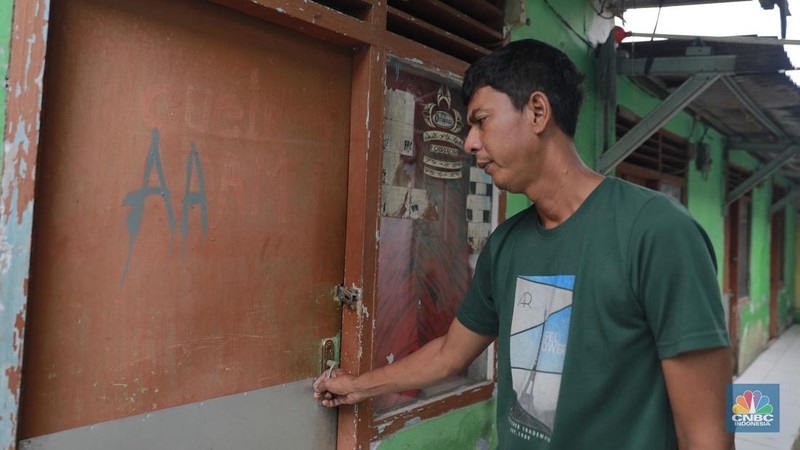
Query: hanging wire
{"x": 602, "y": 8}
{"x": 658, "y": 17}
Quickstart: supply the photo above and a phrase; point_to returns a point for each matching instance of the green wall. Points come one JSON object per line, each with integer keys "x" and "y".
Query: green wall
{"x": 786, "y": 300}
{"x": 545, "y": 25}
{"x": 472, "y": 427}
{"x": 706, "y": 197}
{"x": 754, "y": 320}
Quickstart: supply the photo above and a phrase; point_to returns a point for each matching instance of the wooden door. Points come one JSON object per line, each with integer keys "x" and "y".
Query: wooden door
{"x": 188, "y": 229}
{"x": 737, "y": 269}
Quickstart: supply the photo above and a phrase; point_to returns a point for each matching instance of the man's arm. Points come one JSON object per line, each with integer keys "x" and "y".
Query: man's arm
{"x": 438, "y": 359}
{"x": 696, "y": 387}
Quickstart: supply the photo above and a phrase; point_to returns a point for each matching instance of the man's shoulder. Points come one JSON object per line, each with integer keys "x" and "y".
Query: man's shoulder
{"x": 640, "y": 202}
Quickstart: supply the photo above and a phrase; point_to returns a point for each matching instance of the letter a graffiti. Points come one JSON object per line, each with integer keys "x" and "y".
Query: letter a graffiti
{"x": 193, "y": 197}
{"x": 136, "y": 199}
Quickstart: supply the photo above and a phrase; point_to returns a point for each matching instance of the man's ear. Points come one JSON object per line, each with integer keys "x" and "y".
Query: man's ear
{"x": 539, "y": 110}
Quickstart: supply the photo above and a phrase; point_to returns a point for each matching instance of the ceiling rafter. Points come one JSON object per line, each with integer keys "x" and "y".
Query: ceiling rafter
{"x": 761, "y": 174}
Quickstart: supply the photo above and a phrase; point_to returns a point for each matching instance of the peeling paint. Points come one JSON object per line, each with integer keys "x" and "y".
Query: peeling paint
{"x": 411, "y": 422}
{"x": 24, "y": 60}
{"x": 15, "y": 261}
{"x": 382, "y": 427}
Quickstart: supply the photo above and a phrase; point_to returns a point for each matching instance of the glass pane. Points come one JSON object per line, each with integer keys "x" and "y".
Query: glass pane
{"x": 436, "y": 212}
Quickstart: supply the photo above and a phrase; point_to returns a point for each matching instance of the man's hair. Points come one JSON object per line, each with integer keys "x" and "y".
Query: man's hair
{"x": 523, "y": 67}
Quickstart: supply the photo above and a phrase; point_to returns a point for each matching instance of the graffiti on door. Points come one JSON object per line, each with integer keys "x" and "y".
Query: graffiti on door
{"x": 136, "y": 199}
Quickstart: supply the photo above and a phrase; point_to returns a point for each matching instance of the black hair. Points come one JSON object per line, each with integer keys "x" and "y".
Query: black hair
{"x": 523, "y": 67}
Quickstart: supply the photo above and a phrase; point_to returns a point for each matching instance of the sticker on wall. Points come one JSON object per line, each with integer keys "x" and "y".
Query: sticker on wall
{"x": 448, "y": 165}
{"x": 399, "y": 133}
{"x": 406, "y": 203}
{"x": 398, "y": 138}
{"x": 443, "y": 122}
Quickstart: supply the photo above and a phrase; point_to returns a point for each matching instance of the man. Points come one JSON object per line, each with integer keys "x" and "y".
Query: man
{"x": 603, "y": 295}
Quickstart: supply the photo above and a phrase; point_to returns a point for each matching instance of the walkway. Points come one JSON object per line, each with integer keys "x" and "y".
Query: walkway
{"x": 779, "y": 363}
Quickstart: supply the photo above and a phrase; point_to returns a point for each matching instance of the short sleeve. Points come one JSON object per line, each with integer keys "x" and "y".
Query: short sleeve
{"x": 478, "y": 312}
{"x": 674, "y": 278}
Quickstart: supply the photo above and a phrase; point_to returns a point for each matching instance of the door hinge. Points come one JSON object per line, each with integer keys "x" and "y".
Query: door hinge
{"x": 348, "y": 296}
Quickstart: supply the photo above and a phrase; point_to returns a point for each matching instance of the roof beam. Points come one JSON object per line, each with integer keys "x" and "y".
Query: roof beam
{"x": 728, "y": 39}
{"x": 654, "y": 120}
{"x": 792, "y": 196}
{"x": 677, "y": 65}
{"x": 757, "y": 147}
{"x": 761, "y": 174}
{"x": 751, "y": 106}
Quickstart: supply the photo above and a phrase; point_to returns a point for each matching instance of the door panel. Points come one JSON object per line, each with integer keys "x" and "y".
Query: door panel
{"x": 190, "y": 210}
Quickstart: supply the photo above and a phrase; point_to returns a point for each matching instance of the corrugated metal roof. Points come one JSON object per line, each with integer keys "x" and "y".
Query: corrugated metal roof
{"x": 758, "y": 76}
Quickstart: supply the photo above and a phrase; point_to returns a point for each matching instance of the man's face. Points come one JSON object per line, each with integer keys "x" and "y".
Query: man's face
{"x": 502, "y": 139}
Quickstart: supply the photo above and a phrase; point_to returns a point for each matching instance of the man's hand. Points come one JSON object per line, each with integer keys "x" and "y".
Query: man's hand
{"x": 336, "y": 388}
{"x": 435, "y": 361}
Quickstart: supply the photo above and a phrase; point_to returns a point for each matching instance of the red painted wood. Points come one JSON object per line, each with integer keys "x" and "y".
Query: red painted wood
{"x": 266, "y": 113}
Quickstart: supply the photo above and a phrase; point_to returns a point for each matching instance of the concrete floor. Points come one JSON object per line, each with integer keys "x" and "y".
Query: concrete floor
{"x": 779, "y": 363}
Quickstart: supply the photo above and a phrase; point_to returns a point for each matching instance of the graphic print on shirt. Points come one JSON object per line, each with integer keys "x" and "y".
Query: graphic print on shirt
{"x": 539, "y": 331}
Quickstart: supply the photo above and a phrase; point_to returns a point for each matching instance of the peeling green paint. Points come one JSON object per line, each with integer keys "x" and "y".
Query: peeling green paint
{"x": 754, "y": 319}
{"x": 472, "y": 427}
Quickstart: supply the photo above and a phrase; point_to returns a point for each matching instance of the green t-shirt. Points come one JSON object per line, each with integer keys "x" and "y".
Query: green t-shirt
{"x": 585, "y": 312}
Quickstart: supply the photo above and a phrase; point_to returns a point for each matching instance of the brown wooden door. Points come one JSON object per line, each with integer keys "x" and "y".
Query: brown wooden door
{"x": 775, "y": 269}
{"x": 190, "y": 215}
{"x": 737, "y": 268}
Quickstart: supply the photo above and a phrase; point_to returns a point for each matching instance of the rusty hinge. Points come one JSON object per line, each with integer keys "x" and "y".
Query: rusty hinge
{"x": 348, "y": 296}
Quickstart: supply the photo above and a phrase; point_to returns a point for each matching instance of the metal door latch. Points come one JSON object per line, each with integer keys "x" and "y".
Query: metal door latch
{"x": 327, "y": 355}
{"x": 348, "y": 297}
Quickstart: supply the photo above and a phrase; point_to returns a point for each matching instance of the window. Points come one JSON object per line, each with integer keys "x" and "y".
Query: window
{"x": 435, "y": 215}
{"x": 660, "y": 163}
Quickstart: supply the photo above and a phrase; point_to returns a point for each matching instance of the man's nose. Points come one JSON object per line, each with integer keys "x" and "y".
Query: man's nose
{"x": 473, "y": 142}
